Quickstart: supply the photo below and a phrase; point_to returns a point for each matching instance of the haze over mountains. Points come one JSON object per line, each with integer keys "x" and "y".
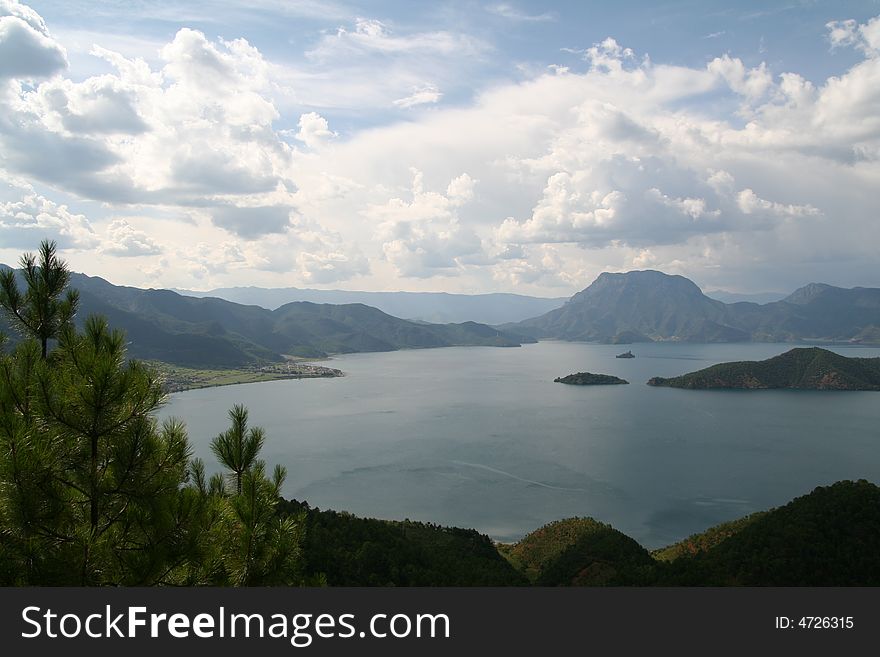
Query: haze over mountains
{"x": 439, "y": 307}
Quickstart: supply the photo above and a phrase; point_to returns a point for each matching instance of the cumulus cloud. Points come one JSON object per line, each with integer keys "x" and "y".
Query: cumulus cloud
{"x": 314, "y": 130}
{"x": 425, "y": 237}
{"x": 24, "y": 222}
{"x": 99, "y": 105}
{"x": 27, "y": 50}
{"x": 196, "y": 131}
{"x": 618, "y": 162}
{"x": 126, "y": 241}
{"x": 310, "y": 252}
{"x": 865, "y": 37}
{"x": 752, "y": 83}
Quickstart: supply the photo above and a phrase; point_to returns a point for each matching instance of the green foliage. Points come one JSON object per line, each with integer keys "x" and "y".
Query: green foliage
{"x": 39, "y": 311}
{"x": 581, "y": 552}
{"x": 706, "y": 540}
{"x": 237, "y": 447}
{"x": 351, "y": 551}
{"x": 252, "y": 545}
{"x": 90, "y": 486}
{"x": 94, "y": 492}
{"x": 830, "y": 537}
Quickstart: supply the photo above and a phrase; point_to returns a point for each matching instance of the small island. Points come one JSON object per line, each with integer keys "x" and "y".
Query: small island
{"x": 808, "y": 368}
{"x": 589, "y": 379}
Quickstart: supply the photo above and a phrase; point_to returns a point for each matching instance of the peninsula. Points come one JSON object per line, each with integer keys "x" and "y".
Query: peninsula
{"x": 810, "y": 368}
{"x": 176, "y": 378}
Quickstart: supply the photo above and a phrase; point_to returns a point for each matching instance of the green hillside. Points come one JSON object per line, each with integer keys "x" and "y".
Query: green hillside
{"x": 704, "y": 541}
{"x": 830, "y": 537}
{"x": 351, "y": 551}
{"x": 580, "y": 552}
{"x": 802, "y": 368}
{"x": 212, "y": 333}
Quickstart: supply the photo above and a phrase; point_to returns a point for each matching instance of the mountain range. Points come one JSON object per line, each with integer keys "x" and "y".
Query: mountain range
{"x": 645, "y": 306}
{"x": 437, "y": 307}
{"x": 636, "y": 306}
{"x": 213, "y": 333}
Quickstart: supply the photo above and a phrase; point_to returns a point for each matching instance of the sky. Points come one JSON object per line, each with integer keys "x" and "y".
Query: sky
{"x": 459, "y": 146}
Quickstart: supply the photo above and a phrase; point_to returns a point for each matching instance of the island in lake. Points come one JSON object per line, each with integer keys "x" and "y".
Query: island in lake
{"x": 809, "y": 368}
{"x": 589, "y": 379}
{"x": 625, "y": 354}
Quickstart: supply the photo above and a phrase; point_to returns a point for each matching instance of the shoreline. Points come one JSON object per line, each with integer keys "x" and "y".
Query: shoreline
{"x": 177, "y": 378}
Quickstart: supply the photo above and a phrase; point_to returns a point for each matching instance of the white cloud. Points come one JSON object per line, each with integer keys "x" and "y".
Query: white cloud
{"x": 331, "y": 267}
{"x": 420, "y": 96}
{"x": 752, "y": 83}
{"x": 27, "y": 50}
{"x": 32, "y": 218}
{"x": 865, "y": 37}
{"x": 314, "y": 130}
{"x": 461, "y": 189}
{"x": 695, "y": 208}
{"x": 618, "y": 162}
{"x": 125, "y": 241}
{"x": 425, "y": 237}
{"x": 372, "y": 36}
{"x": 196, "y": 132}
{"x": 751, "y": 203}
{"x": 510, "y": 12}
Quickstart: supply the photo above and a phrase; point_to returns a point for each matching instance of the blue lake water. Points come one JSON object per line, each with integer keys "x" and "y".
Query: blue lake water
{"x": 481, "y": 437}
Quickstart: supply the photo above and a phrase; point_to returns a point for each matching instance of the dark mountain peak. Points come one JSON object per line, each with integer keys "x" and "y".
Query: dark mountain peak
{"x": 640, "y": 281}
{"x": 808, "y": 293}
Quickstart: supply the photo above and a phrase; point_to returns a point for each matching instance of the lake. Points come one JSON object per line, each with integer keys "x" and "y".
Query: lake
{"x": 481, "y": 437}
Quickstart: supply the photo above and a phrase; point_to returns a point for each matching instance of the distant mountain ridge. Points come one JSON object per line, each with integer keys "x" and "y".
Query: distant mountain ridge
{"x": 437, "y": 307}
{"x": 642, "y": 306}
{"x": 213, "y": 333}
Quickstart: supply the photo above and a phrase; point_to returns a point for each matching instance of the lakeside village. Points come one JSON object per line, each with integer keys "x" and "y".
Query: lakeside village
{"x": 178, "y": 379}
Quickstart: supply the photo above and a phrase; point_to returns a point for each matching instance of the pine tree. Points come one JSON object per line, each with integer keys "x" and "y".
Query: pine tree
{"x": 93, "y": 491}
{"x": 237, "y": 447}
{"x": 39, "y": 311}
{"x": 258, "y": 547}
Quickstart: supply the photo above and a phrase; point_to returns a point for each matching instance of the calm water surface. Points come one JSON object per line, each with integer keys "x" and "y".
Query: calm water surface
{"x": 481, "y": 437}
